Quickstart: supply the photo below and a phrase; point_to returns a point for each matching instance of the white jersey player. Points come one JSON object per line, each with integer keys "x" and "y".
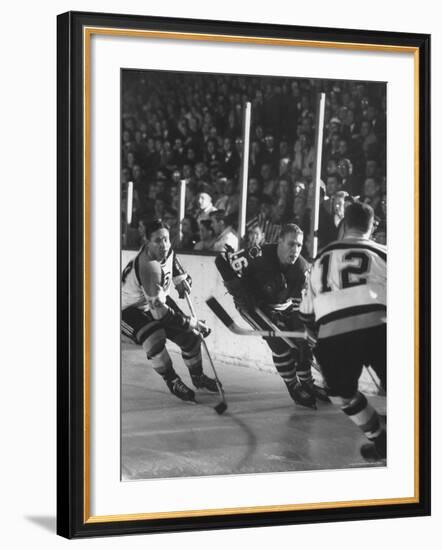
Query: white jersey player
{"x": 150, "y": 316}
{"x": 158, "y": 281}
{"x": 345, "y": 307}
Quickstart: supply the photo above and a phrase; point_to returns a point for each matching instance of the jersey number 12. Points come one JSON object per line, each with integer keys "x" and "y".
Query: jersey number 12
{"x": 350, "y": 275}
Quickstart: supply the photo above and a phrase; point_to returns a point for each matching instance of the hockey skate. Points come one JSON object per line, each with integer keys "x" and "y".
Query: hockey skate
{"x": 375, "y": 450}
{"x": 201, "y": 381}
{"x": 320, "y": 393}
{"x": 178, "y": 388}
{"x": 303, "y": 394}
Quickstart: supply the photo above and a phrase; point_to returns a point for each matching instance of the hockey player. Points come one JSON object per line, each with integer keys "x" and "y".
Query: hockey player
{"x": 271, "y": 280}
{"x": 150, "y": 316}
{"x": 345, "y": 309}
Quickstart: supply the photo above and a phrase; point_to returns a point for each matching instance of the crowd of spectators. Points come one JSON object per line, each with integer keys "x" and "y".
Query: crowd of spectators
{"x": 189, "y": 126}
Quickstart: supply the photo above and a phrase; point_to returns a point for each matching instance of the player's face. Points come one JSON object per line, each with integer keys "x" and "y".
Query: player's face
{"x": 289, "y": 248}
{"x": 159, "y": 244}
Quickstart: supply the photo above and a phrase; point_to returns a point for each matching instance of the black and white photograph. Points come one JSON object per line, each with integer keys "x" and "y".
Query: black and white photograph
{"x": 253, "y": 274}
{"x": 224, "y": 351}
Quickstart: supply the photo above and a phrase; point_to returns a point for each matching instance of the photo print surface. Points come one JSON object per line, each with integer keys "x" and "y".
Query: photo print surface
{"x": 253, "y": 288}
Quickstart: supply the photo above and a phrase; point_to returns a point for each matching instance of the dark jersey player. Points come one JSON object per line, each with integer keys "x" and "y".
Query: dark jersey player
{"x": 345, "y": 305}
{"x": 150, "y": 316}
{"x": 270, "y": 280}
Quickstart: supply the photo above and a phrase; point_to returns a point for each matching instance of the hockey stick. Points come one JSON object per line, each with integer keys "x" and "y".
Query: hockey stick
{"x": 225, "y": 318}
{"x": 222, "y": 405}
{"x": 379, "y": 388}
{"x": 278, "y": 334}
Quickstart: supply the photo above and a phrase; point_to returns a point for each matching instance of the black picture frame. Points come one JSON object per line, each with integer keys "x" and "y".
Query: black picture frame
{"x": 73, "y": 519}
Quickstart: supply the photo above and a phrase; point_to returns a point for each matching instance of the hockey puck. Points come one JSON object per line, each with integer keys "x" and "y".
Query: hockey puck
{"x": 221, "y": 408}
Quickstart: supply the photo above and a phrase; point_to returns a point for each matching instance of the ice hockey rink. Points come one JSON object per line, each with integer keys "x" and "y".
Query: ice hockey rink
{"x": 261, "y": 431}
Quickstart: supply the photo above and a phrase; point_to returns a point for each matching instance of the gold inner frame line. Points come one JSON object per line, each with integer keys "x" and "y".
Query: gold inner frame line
{"x": 87, "y": 33}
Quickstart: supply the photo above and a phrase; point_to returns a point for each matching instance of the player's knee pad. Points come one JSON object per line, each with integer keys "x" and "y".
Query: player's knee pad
{"x": 161, "y": 361}
{"x": 189, "y": 343}
{"x": 154, "y": 343}
{"x": 278, "y": 346}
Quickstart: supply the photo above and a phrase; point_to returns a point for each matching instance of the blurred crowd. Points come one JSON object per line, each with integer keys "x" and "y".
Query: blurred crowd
{"x": 187, "y": 126}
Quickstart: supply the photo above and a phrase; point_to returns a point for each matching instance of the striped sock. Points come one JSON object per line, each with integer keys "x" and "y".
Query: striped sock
{"x": 192, "y": 357}
{"x": 162, "y": 364}
{"x": 361, "y": 413}
{"x": 285, "y": 366}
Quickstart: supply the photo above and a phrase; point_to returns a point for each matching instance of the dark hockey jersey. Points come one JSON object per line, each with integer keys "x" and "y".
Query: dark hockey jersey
{"x": 257, "y": 274}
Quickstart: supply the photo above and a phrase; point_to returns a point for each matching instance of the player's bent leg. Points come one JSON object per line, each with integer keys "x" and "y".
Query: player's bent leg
{"x": 285, "y": 363}
{"x": 162, "y": 364}
{"x": 304, "y": 371}
{"x": 368, "y": 420}
{"x": 147, "y": 332}
{"x": 190, "y": 345}
{"x": 378, "y": 354}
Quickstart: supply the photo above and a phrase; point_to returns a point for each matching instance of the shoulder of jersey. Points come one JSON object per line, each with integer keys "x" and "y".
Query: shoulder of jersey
{"x": 150, "y": 266}
{"x": 268, "y": 249}
{"x": 379, "y": 249}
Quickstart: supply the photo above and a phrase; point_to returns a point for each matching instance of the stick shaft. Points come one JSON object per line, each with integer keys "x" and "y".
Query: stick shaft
{"x": 225, "y": 318}
{"x": 203, "y": 342}
{"x": 274, "y": 327}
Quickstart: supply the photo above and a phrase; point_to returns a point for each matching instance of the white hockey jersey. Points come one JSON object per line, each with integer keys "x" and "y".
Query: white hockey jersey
{"x": 132, "y": 291}
{"x": 347, "y": 287}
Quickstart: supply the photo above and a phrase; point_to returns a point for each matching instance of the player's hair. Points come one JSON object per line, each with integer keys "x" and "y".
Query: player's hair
{"x": 218, "y": 215}
{"x": 359, "y": 216}
{"x": 154, "y": 225}
{"x": 290, "y": 228}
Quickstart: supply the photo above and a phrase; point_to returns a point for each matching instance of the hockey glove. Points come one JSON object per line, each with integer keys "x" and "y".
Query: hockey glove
{"x": 184, "y": 286}
{"x": 199, "y": 327}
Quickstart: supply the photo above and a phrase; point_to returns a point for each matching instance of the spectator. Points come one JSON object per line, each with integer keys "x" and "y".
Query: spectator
{"x": 207, "y": 235}
{"x": 339, "y": 208}
{"x": 255, "y": 237}
{"x": 253, "y": 206}
{"x": 268, "y": 183}
{"x": 229, "y": 200}
{"x": 372, "y": 195}
{"x": 347, "y": 183}
{"x": 205, "y": 206}
{"x": 229, "y": 159}
{"x": 254, "y": 187}
{"x": 304, "y": 155}
{"x": 189, "y": 233}
{"x": 224, "y": 233}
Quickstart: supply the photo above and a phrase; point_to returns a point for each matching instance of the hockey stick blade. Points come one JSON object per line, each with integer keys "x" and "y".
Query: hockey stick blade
{"x": 221, "y": 408}
{"x": 219, "y": 311}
